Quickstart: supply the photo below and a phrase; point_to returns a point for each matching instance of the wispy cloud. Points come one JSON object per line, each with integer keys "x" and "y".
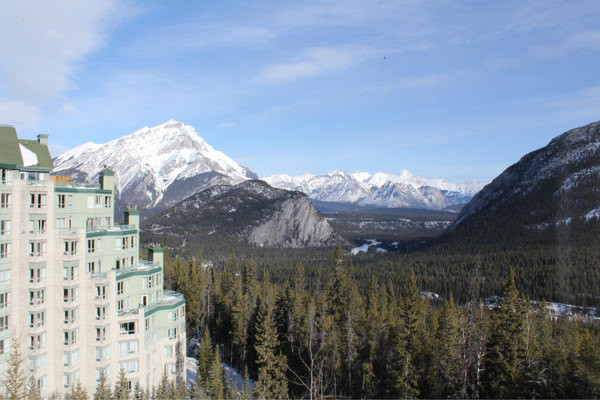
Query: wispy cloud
{"x": 42, "y": 44}
{"x": 439, "y": 140}
{"x": 314, "y": 62}
{"x": 580, "y": 104}
{"x": 225, "y": 125}
{"x": 271, "y": 112}
{"x": 579, "y": 41}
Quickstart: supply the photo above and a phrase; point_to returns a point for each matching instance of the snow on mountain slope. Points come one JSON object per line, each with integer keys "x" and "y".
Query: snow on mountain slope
{"x": 379, "y": 189}
{"x": 155, "y": 167}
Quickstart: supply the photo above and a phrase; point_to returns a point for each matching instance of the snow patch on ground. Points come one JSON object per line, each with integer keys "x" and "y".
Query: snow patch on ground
{"x": 365, "y": 247}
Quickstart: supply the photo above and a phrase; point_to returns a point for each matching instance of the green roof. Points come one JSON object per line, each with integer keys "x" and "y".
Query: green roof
{"x": 9, "y": 146}
{"x": 11, "y": 154}
{"x": 41, "y": 151}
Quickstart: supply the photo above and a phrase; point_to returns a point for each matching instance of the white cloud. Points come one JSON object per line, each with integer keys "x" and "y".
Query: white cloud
{"x": 19, "y": 114}
{"x": 225, "y": 125}
{"x": 315, "y": 61}
{"x": 580, "y": 41}
{"x": 42, "y": 44}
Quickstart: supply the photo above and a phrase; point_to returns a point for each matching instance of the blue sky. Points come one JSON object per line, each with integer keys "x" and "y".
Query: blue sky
{"x": 457, "y": 90}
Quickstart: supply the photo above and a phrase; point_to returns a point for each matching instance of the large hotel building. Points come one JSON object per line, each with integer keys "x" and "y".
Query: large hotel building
{"x": 74, "y": 292}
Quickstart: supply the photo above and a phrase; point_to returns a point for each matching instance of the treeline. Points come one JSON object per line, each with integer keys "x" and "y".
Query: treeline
{"x": 328, "y": 338}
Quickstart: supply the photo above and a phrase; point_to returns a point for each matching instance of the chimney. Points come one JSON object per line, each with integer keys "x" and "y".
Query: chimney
{"x": 43, "y": 139}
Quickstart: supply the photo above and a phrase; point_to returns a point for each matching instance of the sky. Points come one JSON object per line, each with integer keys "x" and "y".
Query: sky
{"x": 457, "y": 90}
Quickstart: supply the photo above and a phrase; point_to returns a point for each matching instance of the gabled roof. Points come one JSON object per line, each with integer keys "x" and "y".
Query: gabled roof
{"x": 23, "y": 153}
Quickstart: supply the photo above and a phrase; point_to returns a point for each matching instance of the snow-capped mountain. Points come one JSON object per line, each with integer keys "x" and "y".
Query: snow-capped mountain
{"x": 554, "y": 186}
{"x": 155, "y": 168}
{"x": 379, "y": 189}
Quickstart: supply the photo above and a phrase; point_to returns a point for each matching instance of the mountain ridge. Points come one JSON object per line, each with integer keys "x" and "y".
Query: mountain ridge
{"x": 378, "y": 189}
{"x": 151, "y": 164}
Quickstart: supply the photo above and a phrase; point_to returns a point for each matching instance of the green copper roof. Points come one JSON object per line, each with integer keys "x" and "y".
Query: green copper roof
{"x": 9, "y": 146}
{"x": 11, "y": 154}
{"x": 41, "y": 151}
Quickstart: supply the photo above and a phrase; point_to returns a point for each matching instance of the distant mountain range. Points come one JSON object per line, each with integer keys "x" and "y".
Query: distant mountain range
{"x": 379, "y": 189}
{"x": 155, "y": 168}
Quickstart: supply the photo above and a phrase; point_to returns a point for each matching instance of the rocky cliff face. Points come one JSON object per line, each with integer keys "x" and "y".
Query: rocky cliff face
{"x": 251, "y": 211}
{"x": 296, "y": 224}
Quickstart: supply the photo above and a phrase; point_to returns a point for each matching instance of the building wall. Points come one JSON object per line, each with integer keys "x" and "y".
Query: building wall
{"x": 81, "y": 302}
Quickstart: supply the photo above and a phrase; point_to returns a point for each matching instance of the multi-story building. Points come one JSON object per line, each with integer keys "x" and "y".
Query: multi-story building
{"x": 73, "y": 290}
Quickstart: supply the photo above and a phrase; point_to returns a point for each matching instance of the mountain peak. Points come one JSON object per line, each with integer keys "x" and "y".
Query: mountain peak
{"x": 151, "y": 164}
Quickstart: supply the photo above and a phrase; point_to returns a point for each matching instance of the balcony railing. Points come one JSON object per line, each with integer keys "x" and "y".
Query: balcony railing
{"x": 109, "y": 228}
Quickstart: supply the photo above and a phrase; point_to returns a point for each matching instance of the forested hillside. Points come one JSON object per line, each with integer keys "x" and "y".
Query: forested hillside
{"x": 331, "y": 336}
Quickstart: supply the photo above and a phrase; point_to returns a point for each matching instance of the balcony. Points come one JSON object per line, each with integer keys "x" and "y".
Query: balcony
{"x": 109, "y": 228}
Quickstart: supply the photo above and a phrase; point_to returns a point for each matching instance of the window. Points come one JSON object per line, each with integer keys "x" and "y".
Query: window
{"x": 101, "y": 333}
{"x": 5, "y": 277}
{"x": 37, "y": 319}
{"x": 119, "y": 288}
{"x": 92, "y": 244}
{"x": 103, "y": 353}
{"x": 5, "y": 227}
{"x": 172, "y": 333}
{"x": 100, "y": 291}
{"x": 37, "y": 248}
{"x": 70, "y": 315}
{"x": 71, "y": 358}
{"x": 2, "y": 346}
{"x": 61, "y": 200}
{"x": 4, "y": 323}
{"x": 37, "y": 200}
{"x": 70, "y": 247}
{"x": 128, "y": 347}
{"x": 70, "y": 294}
{"x": 101, "y": 313}
{"x": 4, "y": 300}
{"x": 168, "y": 351}
{"x": 4, "y": 176}
{"x": 4, "y": 250}
{"x": 147, "y": 324}
{"x": 130, "y": 365}
{"x": 37, "y": 226}
{"x": 70, "y": 273}
{"x": 37, "y": 297}
{"x": 70, "y": 337}
{"x": 120, "y": 305}
{"x": 127, "y": 328}
{"x": 92, "y": 267}
{"x": 37, "y": 342}
{"x": 37, "y": 273}
{"x": 5, "y": 200}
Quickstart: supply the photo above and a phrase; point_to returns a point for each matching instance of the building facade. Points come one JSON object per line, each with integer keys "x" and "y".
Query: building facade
{"x": 74, "y": 292}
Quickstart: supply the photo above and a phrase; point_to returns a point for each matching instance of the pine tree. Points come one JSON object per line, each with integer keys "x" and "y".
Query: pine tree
{"x": 407, "y": 346}
{"x": 205, "y": 360}
{"x": 138, "y": 392}
{"x": 121, "y": 391}
{"x": 15, "y": 378}
{"x": 33, "y": 393}
{"x": 247, "y": 392}
{"x": 271, "y": 382}
{"x": 77, "y": 392}
{"x": 216, "y": 376}
{"x": 103, "y": 391}
{"x": 165, "y": 390}
{"x": 449, "y": 346}
{"x": 505, "y": 349}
